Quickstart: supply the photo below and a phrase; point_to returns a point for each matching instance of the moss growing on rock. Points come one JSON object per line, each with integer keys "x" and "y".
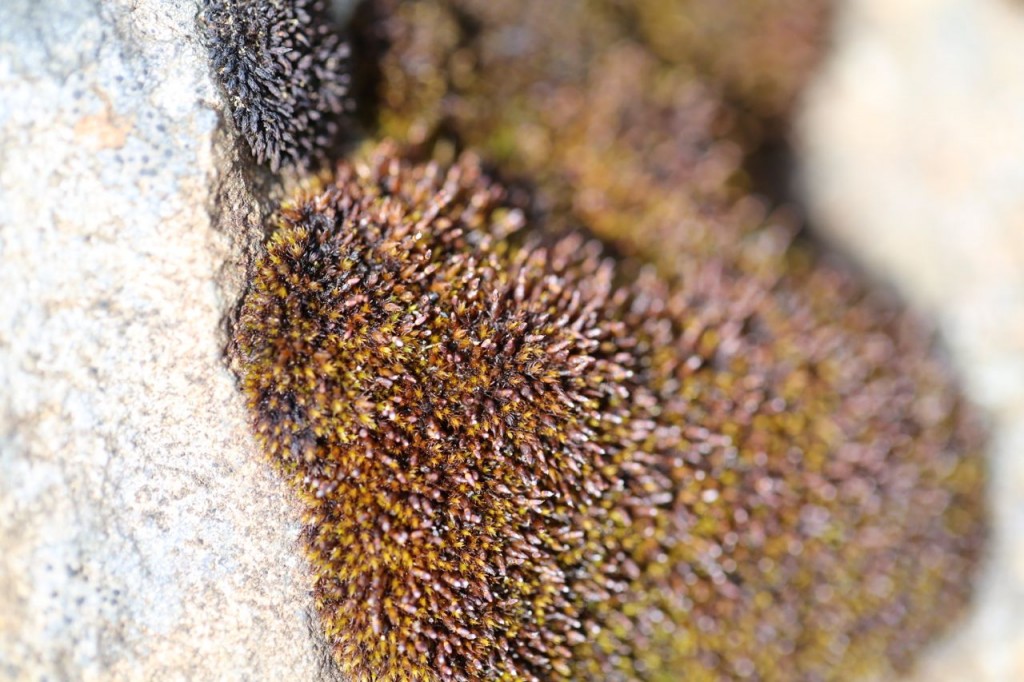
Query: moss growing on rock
{"x": 284, "y": 68}
{"x": 524, "y": 460}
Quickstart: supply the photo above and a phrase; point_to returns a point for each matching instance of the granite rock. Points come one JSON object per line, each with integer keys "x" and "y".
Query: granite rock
{"x": 141, "y": 536}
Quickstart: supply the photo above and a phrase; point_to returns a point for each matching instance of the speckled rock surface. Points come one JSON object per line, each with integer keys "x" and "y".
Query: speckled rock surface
{"x": 913, "y": 155}
{"x": 140, "y": 536}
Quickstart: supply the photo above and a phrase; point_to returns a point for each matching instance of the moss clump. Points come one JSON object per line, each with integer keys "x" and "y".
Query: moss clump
{"x": 285, "y": 72}
{"x": 578, "y": 101}
{"x": 522, "y": 460}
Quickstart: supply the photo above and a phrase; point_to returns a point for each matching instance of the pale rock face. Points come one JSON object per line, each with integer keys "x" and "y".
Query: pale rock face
{"x": 141, "y": 536}
{"x": 912, "y": 143}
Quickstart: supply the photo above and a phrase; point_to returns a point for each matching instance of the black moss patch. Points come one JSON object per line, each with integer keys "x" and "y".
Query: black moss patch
{"x": 285, "y": 70}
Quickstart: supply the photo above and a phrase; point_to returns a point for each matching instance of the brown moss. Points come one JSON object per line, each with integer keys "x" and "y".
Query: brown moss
{"x": 520, "y": 462}
{"x": 577, "y": 101}
{"x": 762, "y": 52}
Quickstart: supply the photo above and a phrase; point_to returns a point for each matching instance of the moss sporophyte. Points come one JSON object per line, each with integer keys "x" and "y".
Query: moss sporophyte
{"x": 524, "y": 459}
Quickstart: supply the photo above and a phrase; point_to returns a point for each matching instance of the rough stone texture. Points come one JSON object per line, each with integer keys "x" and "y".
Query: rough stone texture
{"x": 913, "y": 146}
{"x": 140, "y": 536}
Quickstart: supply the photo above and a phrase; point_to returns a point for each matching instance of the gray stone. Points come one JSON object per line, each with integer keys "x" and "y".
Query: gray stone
{"x": 913, "y": 151}
{"x": 141, "y": 536}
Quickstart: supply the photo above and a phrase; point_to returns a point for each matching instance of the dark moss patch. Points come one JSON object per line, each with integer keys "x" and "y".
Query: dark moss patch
{"x": 285, "y": 70}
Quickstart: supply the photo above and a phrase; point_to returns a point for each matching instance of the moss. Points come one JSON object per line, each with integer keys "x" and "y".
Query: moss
{"x": 761, "y": 51}
{"x": 576, "y": 101}
{"x": 523, "y": 459}
{"x": 284, "y": 69}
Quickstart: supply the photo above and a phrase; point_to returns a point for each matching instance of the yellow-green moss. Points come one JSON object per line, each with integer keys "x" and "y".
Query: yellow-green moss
{"x": 524, "y": 461}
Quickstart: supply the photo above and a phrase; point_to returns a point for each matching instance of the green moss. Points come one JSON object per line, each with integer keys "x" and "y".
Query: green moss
{"x": 524, "y": 460}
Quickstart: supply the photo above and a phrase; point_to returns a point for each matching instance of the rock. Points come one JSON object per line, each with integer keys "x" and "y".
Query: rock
{"x": 912, "y": 151}
{"x": 141, "y": 537}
